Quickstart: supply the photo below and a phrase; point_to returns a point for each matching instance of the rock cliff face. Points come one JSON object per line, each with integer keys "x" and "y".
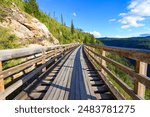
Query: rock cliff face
{"x": 27, "y": 28}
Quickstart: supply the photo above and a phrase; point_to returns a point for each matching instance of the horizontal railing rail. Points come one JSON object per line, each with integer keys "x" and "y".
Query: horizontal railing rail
{"x": 135, "y": 54}
{"x": 139, "y": 75}
{"x": 34, "y": 62}
{"x": 23, "y": 52}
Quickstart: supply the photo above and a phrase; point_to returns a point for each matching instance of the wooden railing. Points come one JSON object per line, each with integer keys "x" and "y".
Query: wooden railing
{"x": 33, "y": 61}
{"x": 97, "y": 54}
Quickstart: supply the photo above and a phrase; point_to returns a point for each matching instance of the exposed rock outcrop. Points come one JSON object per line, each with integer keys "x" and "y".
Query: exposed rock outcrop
{"x": 27, "y": 28}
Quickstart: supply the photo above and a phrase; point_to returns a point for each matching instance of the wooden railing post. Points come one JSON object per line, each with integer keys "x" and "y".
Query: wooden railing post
{"x": 100, "y": 59}
{"x": 139, "y": 88}
{"x": 64, "y": 50}
{"x": 93, "y": 51}
{"x": 103, "y": 62}
{"x": 90, "y": 51}
{"x": 55, "y": 53}
{"x": 2, "y": 87}
{"x": 43, "y": 60}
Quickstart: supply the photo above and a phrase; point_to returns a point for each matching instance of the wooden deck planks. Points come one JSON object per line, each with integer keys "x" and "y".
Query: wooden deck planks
{"x": 90, "y": 93}
{"x": 72, "y": 82}
{"x": 59, "y": 86}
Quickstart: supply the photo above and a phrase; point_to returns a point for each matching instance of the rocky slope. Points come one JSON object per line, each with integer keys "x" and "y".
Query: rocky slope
{"x": 27, "y": 28}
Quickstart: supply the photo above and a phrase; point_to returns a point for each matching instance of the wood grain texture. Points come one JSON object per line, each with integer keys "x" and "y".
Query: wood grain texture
{"x": 2, "y": 87}
{"x": 136, "y": 54}
{"x": 139, "y": 88}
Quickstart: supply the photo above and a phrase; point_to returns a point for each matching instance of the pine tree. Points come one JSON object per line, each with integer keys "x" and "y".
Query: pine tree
{"x": 72, "y": 27}
{"x": 32, "y": 7}
{"x": 64, "y": 23}
{"x": 62, "y": 20}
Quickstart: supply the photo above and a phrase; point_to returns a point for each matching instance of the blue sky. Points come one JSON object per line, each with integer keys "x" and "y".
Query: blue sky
{"x": 111, "y": 18}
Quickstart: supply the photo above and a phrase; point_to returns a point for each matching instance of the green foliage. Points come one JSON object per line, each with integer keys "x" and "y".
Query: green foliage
{"x": 32, "y": 7}
{"x": 122, "y": 75}
{"x": 7, "y": 41}
{"x": 126, "y": 78}
{"x": 147, "y": 94}
{"x": 62, "y": 20}
{"x": 8, "y": 3}
{"x": 2, "y": 15}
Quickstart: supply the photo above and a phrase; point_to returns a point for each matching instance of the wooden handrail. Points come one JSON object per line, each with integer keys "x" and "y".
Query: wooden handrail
{"x": 141, "y": 80}
{"x": 136, "y": 54}
{"x": 40, "y": 58}
{"x": 23, "y": 52}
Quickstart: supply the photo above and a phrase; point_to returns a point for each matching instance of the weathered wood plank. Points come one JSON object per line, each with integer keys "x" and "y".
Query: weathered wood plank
{"x": 62, "y": 84}
{"x": 2, "y": 87}
{"x": 139, "y": 88}
{"x": 70, "y": 74}
{"x": 18, "y": 68}
{"x": 67, "y": 81}
{"x": 90, "y": 92}
{"x": 23, "y": 52}
{"x": 59, "y": 82}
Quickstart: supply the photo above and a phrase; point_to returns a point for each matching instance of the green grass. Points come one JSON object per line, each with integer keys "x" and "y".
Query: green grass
{"x": 7, "y": 40}
{"x": 147, "y": 94}
{"x": 9, "y": 64}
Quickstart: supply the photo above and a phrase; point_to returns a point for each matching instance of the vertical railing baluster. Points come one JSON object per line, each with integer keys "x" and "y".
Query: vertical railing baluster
{"x": 103, "y": 62}
{"x": 100, "y": 59}
{"x": 43, "y": 59}
{"x": 139, "y": 88}
{"x": 2, "y": 86}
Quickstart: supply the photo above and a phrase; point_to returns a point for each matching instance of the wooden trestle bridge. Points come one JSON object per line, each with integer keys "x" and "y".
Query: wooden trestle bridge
{"x": 71, "y": 72}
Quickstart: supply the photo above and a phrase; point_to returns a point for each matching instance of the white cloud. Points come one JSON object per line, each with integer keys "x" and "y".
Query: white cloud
{"x": 131, "y": 21}
{"x": 140, "y": 7}
{"x": 138, "y": 10}
{"x": 112, "y": 20}
{"x": 74, "y": 14}
{"x": 96, "y": 34}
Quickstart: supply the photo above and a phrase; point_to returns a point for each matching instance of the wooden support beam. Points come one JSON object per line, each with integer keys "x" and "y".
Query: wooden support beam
{"x": 100, "y": 59}
{"x": 139, "y": 88}
{"x": 2, "y": 87}
{"x": 55, "y": 52}
{"x": 93, "y": 51}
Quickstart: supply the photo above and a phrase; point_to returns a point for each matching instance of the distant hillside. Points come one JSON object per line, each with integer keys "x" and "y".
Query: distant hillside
{"x": 144, "y": 35}
{"x": 135, "y": 42}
